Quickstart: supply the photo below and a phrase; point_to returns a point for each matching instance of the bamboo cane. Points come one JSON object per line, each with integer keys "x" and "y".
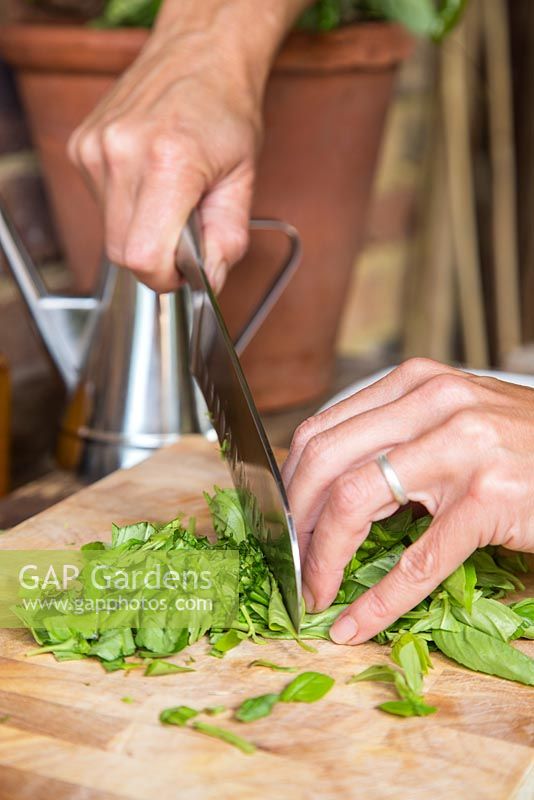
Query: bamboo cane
{"x": 455, "y": 99}
{"x": 504, "y": 212}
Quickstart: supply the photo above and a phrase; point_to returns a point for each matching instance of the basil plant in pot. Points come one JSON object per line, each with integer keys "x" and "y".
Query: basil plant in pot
{"x": 324, "y": 111}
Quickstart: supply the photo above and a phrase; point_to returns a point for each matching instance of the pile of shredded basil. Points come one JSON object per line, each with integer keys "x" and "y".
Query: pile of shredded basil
{"x": 464, "y": 617}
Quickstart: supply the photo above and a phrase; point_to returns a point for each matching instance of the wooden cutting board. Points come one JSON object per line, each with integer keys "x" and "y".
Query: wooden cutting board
{"x": 69, "y": 735}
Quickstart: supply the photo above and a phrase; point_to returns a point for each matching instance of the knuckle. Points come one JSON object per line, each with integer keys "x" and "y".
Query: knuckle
{"x": 238, "y": 243}
{"x": 377, "y": 605}
{"x": 116, "y": 141}
{"x": 304, "y": 432}
{"x": 493, "y": 482}
{"x": 140, "y": 256}
{"x": 417, "y": 564}
{"x": 114, "y": 252}
{"x": 417, "y": 367}
{"x": 166, "y": 149}
{"x": 476, "y": 426}
{"x": 348, "y": 491}
{"x": 318, "y": 449}
{"x": 315, "y": 565}
{"x": 451, "y": 388}
{"x": 89, "y": 151}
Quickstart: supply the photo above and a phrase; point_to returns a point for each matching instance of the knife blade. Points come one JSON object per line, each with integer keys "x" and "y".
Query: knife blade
{"x": 244, "y": 443}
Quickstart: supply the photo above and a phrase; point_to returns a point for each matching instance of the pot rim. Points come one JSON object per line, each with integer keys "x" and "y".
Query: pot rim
{"x": 79, "y": 49}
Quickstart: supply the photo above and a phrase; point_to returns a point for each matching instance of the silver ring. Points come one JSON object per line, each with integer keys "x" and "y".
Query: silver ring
{"x": 392, "y": 480}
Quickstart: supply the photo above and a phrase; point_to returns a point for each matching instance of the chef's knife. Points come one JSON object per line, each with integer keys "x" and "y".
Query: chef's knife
{"x": 215, "y": 365}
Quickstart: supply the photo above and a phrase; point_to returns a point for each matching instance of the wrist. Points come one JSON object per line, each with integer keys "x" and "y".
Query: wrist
{"x": 247, "y": 36}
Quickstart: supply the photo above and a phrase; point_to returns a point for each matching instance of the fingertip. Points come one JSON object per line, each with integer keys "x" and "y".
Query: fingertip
{"x": 344, "y": 630}
{"x": 158, "y": 283}
{"x": 217, "y": 275}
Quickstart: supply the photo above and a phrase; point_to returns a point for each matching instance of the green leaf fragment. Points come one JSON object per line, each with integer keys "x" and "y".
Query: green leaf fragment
{"x": 256, "y": 707}
{"x": 461, "y": 584}
{"x": 525, "y": 610}
{"x": 120, "y": 664}
{"x": 226, "y": 642}
{"x": 407, "y": 708}
{"x": 213, "y": 711}
{"x": 225, "y": 736}
{"x": 159, "y": 667}
{"x": 259, "y": 662}
{"x": 113, "y": 644}
{"x": 411, "y": 653}
{"x": 379, "y": 672}
{"x": 177, "y": 715}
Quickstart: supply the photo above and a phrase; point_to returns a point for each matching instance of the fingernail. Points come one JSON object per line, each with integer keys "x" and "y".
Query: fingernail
{"x": 218, "y": 276}
{"x": 309, "y": 600}
{"x": 343, "y": 630}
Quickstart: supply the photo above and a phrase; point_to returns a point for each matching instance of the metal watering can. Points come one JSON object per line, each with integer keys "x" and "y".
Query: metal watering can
{"x": 123, "y": 355}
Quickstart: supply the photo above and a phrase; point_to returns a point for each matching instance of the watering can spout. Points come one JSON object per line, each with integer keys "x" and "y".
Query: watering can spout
{"x": 65, "y": 324}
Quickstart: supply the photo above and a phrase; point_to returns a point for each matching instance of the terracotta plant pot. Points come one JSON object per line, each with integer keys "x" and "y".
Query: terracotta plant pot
{"x": 325, "y": 108}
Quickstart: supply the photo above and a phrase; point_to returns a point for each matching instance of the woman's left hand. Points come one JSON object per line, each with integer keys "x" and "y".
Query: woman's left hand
{"x": 461, "y": 445}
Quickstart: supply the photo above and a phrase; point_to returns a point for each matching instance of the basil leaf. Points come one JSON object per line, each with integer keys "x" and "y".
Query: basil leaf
{"x": 279, "y": 619}
{"x": 370, "y": 574}
{"x": 308, "y": 687}
{"x": 379, "y": 672}
{"x": 483, "y": 653}
{"x": 256, "y": 707}
{"x": 317, "y": 626}
{"x": 93, "y": 546}
{"x": 119, "y": 663}
{"x": 158, "y": 667}
{"x": 113, "y": 644}
{"x": 407, "y": 708}
{"x": 411, "y": 653}
{"x": 225, "y": 736}
{"x": 491, "y": 577}
{"x": 513, "y": 562}
{"x": 491, "y": 617}
{"x": 161, "y": 641}
{"x": 418, "y": 527}
{"x": 140, "y": 532}
{"x": 259, "y": 662}
{"x": 227, "y": 515}
{"x": 461, "y": 584}
{"x": 525, "y": 610}
{"x": 226, "y": 642}
{"x": 178, "y": 715}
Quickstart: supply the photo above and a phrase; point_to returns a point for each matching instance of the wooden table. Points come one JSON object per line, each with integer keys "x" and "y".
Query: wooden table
{"x": 68, "y": 734}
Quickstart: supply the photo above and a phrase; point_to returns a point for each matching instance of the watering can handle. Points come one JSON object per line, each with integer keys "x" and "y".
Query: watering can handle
{"x": 190, "y": 246}
{"x": 65, "y": 324}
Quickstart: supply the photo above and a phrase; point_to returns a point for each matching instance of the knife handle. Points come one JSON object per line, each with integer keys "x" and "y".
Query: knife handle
{"x": 190, "y": 262}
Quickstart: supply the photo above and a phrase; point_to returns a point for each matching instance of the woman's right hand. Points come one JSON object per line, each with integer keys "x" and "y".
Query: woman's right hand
{"x": 181, "y": 128}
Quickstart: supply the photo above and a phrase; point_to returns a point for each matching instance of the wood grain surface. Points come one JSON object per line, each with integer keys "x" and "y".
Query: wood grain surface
{"x": 68, "y": 734}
